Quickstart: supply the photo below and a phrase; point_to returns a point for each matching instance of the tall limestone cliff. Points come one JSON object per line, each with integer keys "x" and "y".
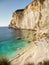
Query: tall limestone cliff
{"x": 36, "y": 17}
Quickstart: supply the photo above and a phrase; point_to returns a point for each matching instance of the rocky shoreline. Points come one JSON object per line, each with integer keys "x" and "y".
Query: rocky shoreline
{"x": 36, "y": 53}
{"x": 34, "y": 17}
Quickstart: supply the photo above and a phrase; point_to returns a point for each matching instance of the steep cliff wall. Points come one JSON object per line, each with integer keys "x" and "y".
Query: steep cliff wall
{"x": 36, "y": 17}
{"x": 35, "y": 14}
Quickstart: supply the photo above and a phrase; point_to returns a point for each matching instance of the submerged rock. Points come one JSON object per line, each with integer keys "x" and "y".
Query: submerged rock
{"x": 29, "y": 41}
{"x": 18, "y": 38}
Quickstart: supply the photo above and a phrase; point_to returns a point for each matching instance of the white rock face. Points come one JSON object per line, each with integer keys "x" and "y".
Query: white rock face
{"x": 36, "y": 17}
{"x": 38, "y": 52}
{"x": 35, "y": 14}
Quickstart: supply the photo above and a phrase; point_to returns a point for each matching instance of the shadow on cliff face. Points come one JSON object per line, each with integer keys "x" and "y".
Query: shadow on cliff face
{"x": 18, "y": 33}
{"x": 25, "y": 34}
{"x": 39, "y": 63}
{"x": 44, "y": 63}
{"x": 41, "y": 1}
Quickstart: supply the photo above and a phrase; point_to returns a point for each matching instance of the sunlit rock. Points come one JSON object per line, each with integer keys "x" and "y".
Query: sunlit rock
{"x": 36, "y": 17}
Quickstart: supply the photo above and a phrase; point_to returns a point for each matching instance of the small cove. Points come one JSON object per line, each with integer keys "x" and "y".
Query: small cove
{"x": 9, "y": 45}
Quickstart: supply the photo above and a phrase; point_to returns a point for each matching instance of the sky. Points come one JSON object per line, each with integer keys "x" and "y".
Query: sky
{"x": 7, "y": 7}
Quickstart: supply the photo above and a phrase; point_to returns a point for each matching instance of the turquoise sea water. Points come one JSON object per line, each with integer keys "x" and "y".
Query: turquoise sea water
{"x": 8, "y": 43}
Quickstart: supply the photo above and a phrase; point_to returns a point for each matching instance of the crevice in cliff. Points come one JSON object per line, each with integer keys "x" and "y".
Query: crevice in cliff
{"x": 41, "y": 1}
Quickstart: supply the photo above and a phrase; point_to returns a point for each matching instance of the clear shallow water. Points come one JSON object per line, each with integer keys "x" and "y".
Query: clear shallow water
{"x": 8, "y": 43}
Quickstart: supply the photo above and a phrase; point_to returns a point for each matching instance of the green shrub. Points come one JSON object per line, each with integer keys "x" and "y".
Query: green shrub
{"x": 4, "y": 61}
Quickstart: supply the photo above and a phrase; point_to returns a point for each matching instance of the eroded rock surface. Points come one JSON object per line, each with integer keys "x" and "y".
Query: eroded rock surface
{"x": 36, "y": 17}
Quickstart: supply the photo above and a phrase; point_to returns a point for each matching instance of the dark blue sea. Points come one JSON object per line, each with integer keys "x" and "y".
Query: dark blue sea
{"x": 9, "y": 45}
